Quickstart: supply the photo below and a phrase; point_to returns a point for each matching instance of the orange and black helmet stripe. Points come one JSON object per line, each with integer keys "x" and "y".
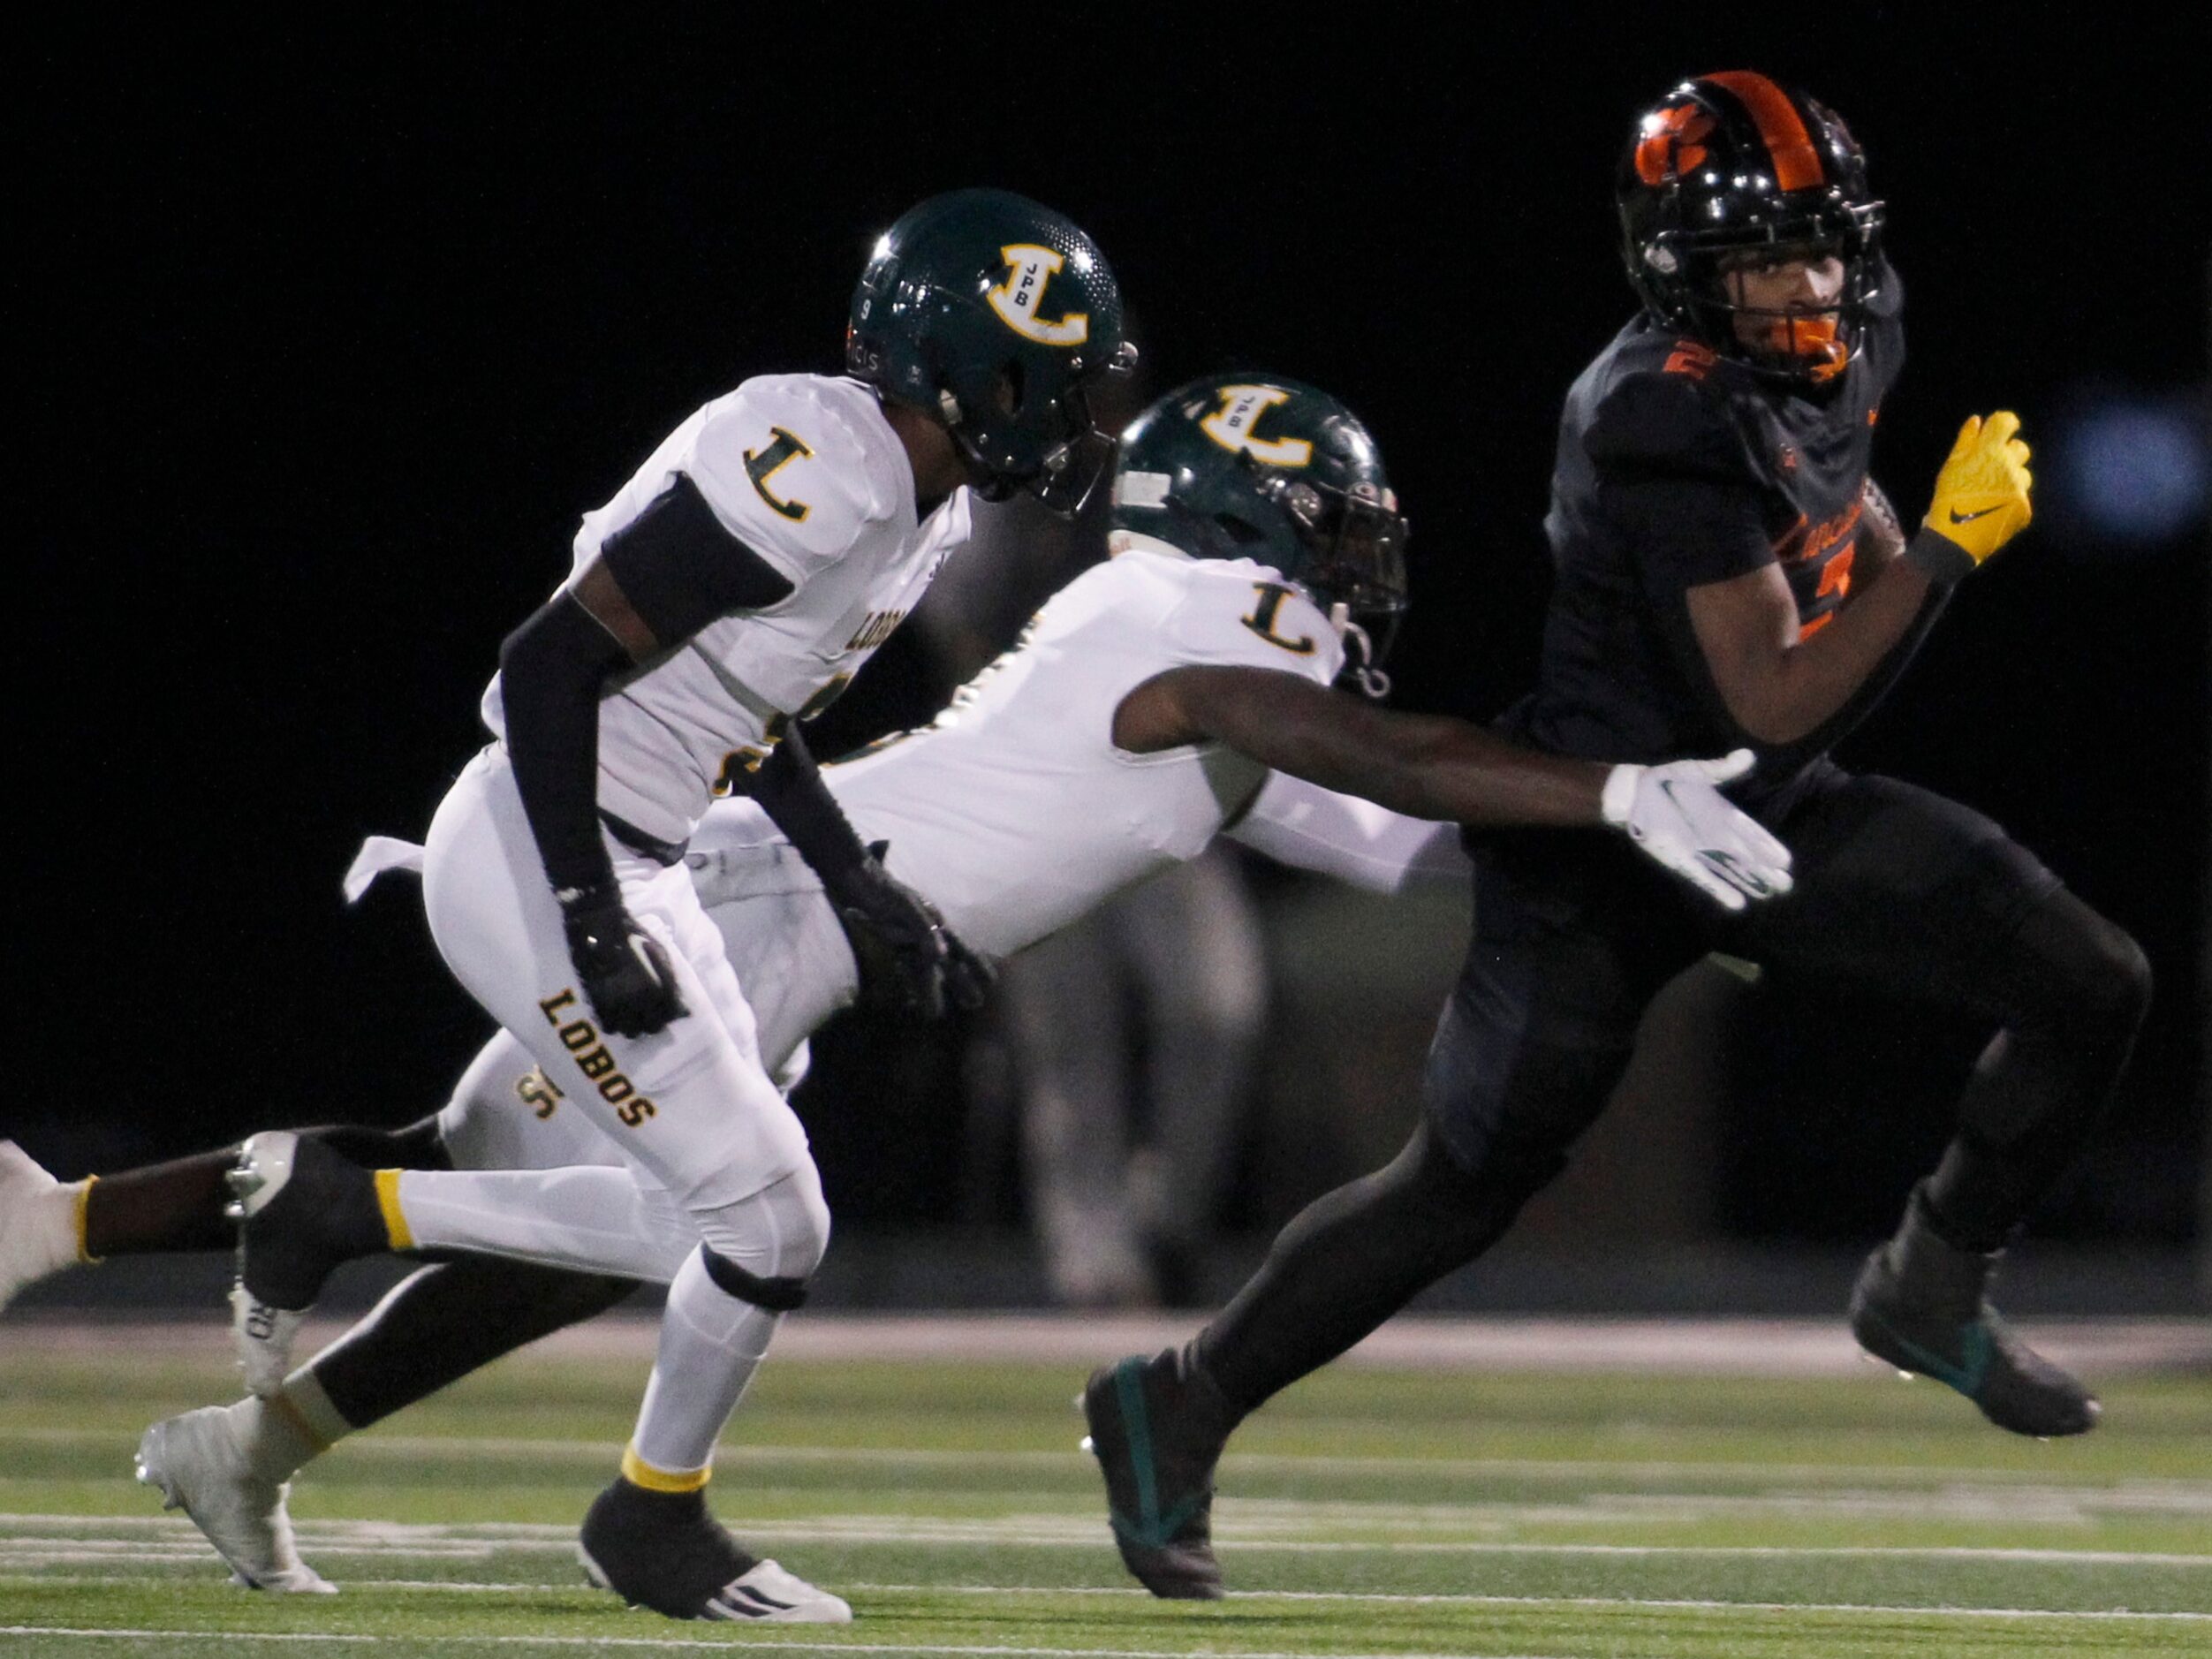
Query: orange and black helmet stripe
{"x": 1781, "y": 129}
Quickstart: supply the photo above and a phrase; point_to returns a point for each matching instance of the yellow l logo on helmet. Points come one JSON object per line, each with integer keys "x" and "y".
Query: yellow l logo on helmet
{"x": 1030, "y": 270}
{"x": 1230, "y": 426}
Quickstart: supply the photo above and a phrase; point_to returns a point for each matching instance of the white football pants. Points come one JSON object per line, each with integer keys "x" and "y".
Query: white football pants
{"x": 690, "y": 1108}
{"x": 536, "y": 1178}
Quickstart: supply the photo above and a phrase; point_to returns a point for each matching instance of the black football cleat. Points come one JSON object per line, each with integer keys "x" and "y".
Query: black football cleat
{"x": 1921, "y": 1305}
{"x": 301, "y": 1211}
{"x": 664, "y": 1551}
{"x": 1157, "y": 1427}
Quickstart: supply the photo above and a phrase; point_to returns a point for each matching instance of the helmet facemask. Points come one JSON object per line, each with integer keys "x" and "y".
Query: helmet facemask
{"x": 1259, "y": 469}
{"x": 1354, "y": 564}
{"x": 1802, "y": 343}
{"x": 1053, "y": 450}
{"x": 1733, "y": 164}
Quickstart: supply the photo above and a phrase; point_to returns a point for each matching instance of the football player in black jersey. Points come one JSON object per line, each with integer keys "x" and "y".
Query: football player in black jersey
{"x": 1727, "y": 574}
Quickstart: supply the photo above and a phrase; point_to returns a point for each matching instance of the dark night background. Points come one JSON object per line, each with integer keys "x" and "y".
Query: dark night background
{"x": 334, "y": 335}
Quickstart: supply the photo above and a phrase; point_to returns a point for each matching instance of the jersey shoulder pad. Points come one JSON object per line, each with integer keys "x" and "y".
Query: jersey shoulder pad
{"x": 1670, "y": 406}
{"x": 1240, "y": 613}
{"x": 797, "y": 466}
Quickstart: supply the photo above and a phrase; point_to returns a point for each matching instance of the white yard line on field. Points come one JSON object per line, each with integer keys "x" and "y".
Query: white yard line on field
{"x": 59, "y": 1540}
{"x": 1657, "y": 1604}
{"x": 725, "y": 1645}
{"x": 1414, "y": 1598}
{"x": 1469, "y": 1599}
{"x": 1502, "y": 1343}
{"x": 1916, "y": 1477}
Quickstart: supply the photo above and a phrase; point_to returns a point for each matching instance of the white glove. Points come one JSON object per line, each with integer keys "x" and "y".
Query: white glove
{"x": 1676, "y": 815}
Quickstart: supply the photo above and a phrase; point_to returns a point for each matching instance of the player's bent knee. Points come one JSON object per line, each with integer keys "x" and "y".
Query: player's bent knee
{"x": 764, "y": 1248}
{"x": 778, "y": 1293}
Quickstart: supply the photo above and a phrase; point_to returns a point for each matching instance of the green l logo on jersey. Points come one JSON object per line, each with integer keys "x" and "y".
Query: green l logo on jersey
{"x": 761, "y": 466}
{"x": 1262, "y": 621}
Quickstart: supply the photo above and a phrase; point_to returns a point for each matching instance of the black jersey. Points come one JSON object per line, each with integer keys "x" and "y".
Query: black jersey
{"x": 1676, "y": 467}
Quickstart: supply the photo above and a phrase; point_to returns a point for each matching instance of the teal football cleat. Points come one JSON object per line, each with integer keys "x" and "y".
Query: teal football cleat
{"x": 1157, "y": 1427}
{"x": 1921, "y": 1305}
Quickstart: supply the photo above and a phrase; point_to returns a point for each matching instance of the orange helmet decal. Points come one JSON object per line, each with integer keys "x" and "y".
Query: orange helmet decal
{"x": 1797, "y": 162}
{"x": 1671, "y": 143}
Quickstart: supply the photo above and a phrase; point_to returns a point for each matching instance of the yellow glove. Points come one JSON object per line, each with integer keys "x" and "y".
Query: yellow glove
{"x": 1981, "y": 493}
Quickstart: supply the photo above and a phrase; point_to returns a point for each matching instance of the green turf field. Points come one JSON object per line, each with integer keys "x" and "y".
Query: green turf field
{"x": 1367, "y": 1513}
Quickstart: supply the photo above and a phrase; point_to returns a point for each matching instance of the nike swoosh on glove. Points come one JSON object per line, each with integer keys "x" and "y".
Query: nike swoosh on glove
{"x": 624, "y": 972}
{"x": 1677, "y": 816}
{"x": 1982, "y": 495}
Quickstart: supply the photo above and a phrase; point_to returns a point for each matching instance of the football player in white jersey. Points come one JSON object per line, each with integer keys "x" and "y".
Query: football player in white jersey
{"x": 734, "y": 585}
{"x": 1253, "y": 520}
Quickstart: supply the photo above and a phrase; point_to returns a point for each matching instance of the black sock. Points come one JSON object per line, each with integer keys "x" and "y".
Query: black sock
{"x": 169, "y": 1209}
{"x": 159, "y": 1208}
{"x": 1352, "y": 1258}
{"x": 440, "y": 1324}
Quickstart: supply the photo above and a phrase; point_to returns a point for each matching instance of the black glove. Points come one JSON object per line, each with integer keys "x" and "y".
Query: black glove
{"x": 625, "y": 974}
{"x": 902, "y": 939}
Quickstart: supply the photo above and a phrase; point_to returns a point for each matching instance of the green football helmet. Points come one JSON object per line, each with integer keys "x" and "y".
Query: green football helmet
{"x": 1255, "y": 467}
{"x": 995, "y": 314}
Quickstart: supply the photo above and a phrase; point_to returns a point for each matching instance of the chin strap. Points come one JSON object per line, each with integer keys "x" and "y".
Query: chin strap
{"x": 1371, "y": 680}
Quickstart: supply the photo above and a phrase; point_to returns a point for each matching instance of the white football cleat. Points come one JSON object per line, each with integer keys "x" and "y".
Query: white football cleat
{"x": 38, "y": 1221}
{"x": 263, "y": 1337}
{"x": 195, "y": 1462}
{"x": 301, "y": 1211}
{"x": 770, "y": 1594}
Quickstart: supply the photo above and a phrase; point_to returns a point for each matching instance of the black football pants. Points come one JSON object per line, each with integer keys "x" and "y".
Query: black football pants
{"x": 1899, "y": 891}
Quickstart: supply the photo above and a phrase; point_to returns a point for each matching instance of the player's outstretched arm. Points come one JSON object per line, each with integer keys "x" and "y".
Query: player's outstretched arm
{"x": 1779, "y": 687}
{"x": 1429, "y": 765}
{"x": 1305, "y": 826}
{"x": 1424, "y": 766}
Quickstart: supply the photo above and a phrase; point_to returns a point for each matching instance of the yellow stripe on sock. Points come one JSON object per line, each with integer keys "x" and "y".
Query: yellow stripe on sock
{"x": 395, "y": 1219}
{"x": 304, "y": 1395}
{"x": 638, "y": 1471}
{"x": 84, "y": 1197}
{"x": 282, "y": 1405}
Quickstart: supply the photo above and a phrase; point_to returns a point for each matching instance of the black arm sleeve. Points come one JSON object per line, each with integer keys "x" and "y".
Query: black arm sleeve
{"x": 679, "y": 569}
{"x": 791, "y": 792}
{"x": 550, "y": 670}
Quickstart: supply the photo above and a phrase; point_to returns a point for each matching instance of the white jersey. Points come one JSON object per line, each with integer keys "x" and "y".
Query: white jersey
{"x": 1013, "y": 811}
{"x": 807, "y": 473}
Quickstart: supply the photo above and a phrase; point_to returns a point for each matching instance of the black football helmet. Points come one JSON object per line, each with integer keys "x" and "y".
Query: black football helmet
{"x": 1733, "y": 163}
{"x": 996, "y": 313}
{"x": 1258, "y": 466}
